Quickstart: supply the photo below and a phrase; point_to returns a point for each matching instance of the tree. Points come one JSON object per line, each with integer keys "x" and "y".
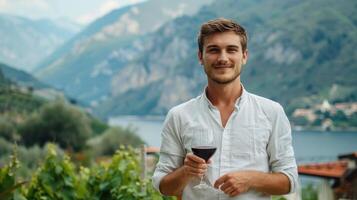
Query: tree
{"x": 353, "y": 119}
{"x": 8, "y": 130}
{"x": 57, "y": 122}
{"x": 112, "y": 138}
{"x": 300, "y": 121}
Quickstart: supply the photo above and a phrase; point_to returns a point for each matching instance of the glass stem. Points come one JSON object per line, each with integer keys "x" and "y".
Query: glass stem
{"x": 201, "y": 182}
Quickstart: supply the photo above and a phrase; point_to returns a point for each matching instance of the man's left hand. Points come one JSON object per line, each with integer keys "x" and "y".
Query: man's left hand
{"x": 235, "y": 183}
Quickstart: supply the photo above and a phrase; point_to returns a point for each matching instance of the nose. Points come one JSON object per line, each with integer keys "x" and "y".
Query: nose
{"x": 223, "y": 58}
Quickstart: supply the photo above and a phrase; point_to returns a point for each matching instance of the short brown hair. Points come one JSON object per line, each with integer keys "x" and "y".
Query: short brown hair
{"x": 221, "y": 25}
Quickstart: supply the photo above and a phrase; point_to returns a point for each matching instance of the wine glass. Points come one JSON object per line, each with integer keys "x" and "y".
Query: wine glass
{"x": 203, "y": 145}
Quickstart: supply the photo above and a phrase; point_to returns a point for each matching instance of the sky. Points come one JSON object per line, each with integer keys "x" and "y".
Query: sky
{"x": 78, "y": 11}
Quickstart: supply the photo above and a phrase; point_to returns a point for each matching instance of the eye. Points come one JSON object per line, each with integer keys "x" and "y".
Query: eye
{"x": 213, "y": 50}
{"x": 232, "y": 50}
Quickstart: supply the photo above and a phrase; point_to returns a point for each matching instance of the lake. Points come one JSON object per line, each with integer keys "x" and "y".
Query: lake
{"x": 309, "y": 146}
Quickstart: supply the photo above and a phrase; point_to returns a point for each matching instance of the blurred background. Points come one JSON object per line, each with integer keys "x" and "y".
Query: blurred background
{"x": 93, "y": 75}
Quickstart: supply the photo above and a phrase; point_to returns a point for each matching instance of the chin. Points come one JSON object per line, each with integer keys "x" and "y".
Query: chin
{"x": 223, "y": 79}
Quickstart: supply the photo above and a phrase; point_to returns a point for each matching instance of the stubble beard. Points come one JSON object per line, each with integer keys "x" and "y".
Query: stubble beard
{"x": 223, "y": 81}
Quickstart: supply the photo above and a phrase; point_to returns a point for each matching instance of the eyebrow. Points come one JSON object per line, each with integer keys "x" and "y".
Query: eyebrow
{"x": 233, "y": 46}
{"x": 215, "y": 46}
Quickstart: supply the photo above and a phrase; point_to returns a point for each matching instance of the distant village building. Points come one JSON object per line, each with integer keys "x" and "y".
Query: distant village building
{"x": 324, "y": 116}
{"x": 307, "y": 113}
{"x": 347, "y": 108}
{"x": 342, "y": 172}
{"x": 325, "y": 106}
{"x": 327, "y": 125}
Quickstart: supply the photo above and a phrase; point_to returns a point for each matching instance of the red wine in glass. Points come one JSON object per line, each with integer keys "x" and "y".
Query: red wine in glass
{"x": 203, "y": 146}
{"x": 204, "y": 152}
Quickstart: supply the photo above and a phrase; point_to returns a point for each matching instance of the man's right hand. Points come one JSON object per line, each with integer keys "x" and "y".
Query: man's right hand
{"x": 175, "y": 182}
{"x": 194, "y": 166}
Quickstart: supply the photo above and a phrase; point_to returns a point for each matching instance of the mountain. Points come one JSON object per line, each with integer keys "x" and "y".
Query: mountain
{"x": 25, "y": 42}
{"x": 20, "y": 77}
{"x": 300, "y": 52}
{"x": 3, "y": 80}
{"x": 20, "y": 82}
{"x": 84, "y": 66}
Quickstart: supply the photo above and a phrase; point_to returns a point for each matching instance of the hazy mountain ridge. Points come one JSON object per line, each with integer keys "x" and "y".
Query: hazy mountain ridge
{"x": 20, "y": 77}
{"x": 15, "y": 81}
{"x": 90, "y": 59}
{"x": 25, "y": 42}
{"x": 299, "y": 55}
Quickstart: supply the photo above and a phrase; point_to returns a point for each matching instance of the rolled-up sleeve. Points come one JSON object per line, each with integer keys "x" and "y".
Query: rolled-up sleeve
{"x": 172, "y": 151}
{"x": 280, "y": 149}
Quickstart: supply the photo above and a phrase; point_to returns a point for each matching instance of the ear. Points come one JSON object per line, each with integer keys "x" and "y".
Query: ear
{"x": 245, "y": 56}
{"x": 199, "y": 55}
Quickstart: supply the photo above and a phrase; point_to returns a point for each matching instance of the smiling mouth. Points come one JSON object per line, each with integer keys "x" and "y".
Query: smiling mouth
{"x": 222, "y": 66}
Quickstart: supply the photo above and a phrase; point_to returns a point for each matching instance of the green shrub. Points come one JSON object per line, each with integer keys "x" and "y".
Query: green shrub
{"x": 8, "y": 184}
{"x": 8, "y": 130}
{"x": 309, "y": 193}
{"x": 5, "y": 148}
{"x": 97, "y": 126}
{"x": 278, "y": 198}
{"x": 112, "y": 138}
{"x": 58, "y": 179}
{"x": 30, "y": 157}
{"x": 14, "y": 100}
{"x": 57, "y": 122}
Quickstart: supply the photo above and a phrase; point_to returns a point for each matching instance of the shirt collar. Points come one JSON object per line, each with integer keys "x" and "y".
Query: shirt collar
{"x": 239, "y": 100}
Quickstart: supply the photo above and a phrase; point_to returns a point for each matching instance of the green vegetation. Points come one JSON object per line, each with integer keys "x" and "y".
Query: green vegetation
{"x": 8, "y": 183}
{"x": 278, "y": 198}
{"x": 14, "y": 100}
{"x": 309, "y": 193}
{"x": 32, "y": 122}
{"x": 112, "y": 138}
{"x": 20, "y": 78}
{"x": 3, "y": 80}
{"x": 8, "y": 130}
{"x": 64, "y": 124}
{"x": 120, "y": 178}
{"x": 58, "y": 179}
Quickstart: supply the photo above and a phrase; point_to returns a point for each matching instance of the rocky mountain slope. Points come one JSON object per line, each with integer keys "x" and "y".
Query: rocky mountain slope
{"x": 85, "y": 65}
{"x": 24, "y": 42}
{"x": 300, "y": 53}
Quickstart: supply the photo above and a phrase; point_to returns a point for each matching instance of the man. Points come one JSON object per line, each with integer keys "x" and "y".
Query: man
{"x": 254, "y": 157}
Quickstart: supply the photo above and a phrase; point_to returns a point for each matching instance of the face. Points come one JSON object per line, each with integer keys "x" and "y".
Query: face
{"x": 222, "y": 57}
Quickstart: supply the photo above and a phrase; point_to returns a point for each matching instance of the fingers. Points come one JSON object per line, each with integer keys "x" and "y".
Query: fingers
{"x": 234, "y": 193}
{"x": 194, "y": 158}
{"x": 220, "y": 181}
{"x": 195, "y": 172}
{"x": 229, "y": 191}
{"x": 194, "y": 161}
{"x": 194, "y": 166}
{"x": 227, "y": 184}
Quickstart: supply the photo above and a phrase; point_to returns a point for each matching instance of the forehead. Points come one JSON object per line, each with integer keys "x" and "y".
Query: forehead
{"x": 224, "y": 39}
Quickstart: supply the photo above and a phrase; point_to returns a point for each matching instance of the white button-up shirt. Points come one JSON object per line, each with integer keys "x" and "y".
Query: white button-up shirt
{"x": 257, "y": 136}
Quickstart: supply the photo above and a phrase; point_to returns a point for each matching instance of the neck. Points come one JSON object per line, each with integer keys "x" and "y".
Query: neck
{"x": 224, "y": 94}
